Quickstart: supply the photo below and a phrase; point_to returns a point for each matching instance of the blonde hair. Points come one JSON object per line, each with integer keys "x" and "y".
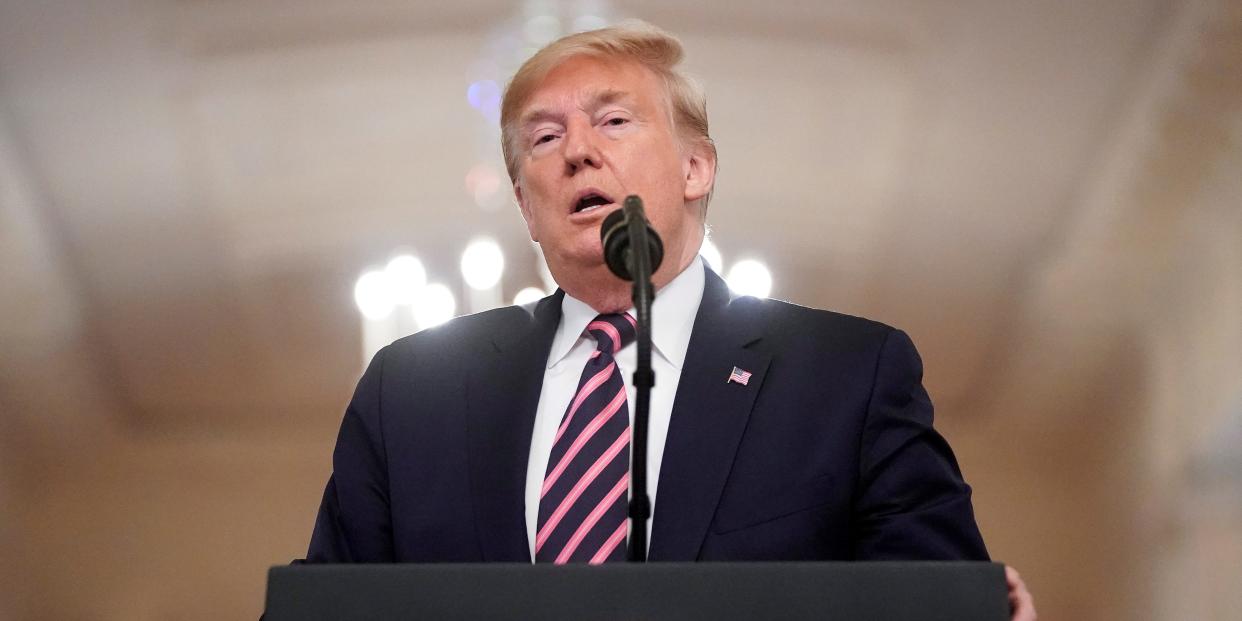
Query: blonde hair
{"x": 634, "y": 40}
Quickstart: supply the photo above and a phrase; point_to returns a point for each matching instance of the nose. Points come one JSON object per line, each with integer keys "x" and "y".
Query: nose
{"x": 580, "y": 148}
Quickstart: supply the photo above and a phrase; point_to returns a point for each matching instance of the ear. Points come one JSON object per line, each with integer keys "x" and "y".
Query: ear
{"x": 525, "y": 208}
{"x": 699, "y": 168}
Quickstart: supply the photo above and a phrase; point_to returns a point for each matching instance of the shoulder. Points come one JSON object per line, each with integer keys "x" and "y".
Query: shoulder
{"x": 831, "y": 341}
{"x": 780, "y": 312}
{"x": 786, "y": 321}
{"x": 458, "y": 339}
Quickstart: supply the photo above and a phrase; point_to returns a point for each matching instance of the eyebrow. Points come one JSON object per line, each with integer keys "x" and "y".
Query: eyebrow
{"x": 595, "y": 100}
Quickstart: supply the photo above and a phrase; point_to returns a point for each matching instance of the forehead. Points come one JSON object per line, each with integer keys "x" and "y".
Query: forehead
{"x": 582, "y": 80}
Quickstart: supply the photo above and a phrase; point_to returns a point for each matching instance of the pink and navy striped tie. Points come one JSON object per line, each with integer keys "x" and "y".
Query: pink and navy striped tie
{"x": 582, "y": 509}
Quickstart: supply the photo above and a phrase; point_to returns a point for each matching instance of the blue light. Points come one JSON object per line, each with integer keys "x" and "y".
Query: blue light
{"x": 483, "y": 95}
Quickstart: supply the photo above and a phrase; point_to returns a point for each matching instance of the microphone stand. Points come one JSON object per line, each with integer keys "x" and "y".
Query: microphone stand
{"x": 644, "y": 379}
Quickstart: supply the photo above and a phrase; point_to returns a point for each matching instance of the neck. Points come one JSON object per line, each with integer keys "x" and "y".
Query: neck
{"x": 605, "y": 293}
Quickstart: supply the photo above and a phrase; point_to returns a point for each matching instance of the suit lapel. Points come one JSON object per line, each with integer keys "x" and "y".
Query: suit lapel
{"x": 502, "y": 398}
{"x": 708, "y": 420}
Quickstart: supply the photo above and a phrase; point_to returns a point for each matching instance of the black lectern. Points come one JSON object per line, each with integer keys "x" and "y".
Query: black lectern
{"x": 957, "y": 591}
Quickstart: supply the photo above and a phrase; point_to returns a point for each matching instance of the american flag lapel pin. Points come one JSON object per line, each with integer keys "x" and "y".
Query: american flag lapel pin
{"x": 740, "y": 376}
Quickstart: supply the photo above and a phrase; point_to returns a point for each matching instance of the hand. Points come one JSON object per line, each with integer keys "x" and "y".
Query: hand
{"x": 1021, "y": 604}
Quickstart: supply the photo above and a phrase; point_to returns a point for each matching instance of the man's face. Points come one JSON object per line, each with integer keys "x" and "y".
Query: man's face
{"x": 593, "y": 132}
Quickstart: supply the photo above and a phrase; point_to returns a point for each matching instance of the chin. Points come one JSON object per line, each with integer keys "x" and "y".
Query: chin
{"x": 576, "y": 267}
{"x": 588, "y": 254}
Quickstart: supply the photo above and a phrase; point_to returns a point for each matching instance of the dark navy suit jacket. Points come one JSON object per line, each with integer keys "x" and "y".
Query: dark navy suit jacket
{"x": 828, "y": 453}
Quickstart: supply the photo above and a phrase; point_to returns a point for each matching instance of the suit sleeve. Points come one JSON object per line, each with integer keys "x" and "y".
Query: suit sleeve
{"x": 912, "y": 502}
{"x": 354, "y": 523}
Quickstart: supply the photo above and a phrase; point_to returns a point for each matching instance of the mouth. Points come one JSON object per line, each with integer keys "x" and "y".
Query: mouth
{"x": 588, "y": 201}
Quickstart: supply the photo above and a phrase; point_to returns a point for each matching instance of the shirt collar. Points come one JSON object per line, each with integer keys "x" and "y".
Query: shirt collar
{"x": 673, "y": 313}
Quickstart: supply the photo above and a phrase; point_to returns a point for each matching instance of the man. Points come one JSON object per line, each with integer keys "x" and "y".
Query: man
{"x": 777, "y": 432}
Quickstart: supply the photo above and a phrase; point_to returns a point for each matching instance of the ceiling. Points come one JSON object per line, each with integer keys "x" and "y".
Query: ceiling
{"x": 190, "y": 188}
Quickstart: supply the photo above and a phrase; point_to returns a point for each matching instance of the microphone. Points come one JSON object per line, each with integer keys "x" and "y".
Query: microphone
{"x": 615, "y": 234}
{"x": 633, "y": 252}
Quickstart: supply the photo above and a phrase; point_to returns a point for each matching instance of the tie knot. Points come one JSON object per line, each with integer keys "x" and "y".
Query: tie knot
{"x": 613, "y": 331}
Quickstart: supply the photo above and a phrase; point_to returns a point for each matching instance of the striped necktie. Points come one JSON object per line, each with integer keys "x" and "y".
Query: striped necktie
{"x": 582, "y": 507}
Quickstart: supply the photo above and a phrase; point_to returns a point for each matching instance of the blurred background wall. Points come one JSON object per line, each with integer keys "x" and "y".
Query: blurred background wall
{"x": 1046, "y": 195}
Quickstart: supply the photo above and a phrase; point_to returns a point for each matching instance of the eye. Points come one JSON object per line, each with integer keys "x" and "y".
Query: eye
{"x": 544, "y": 138}
{"x": 616, "y": 121}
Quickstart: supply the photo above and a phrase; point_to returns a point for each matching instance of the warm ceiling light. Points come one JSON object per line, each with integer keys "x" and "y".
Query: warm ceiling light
{"x": 528, "y": 295}
{"x": 435, "y": 305}
{"x": 482, "y": 263}
{"x": 406, "y": 276}
{"x": 750, "y": 277}
{"x": 374, "y": 295}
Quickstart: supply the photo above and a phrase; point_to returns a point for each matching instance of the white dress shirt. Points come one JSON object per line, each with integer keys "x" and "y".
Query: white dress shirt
{"x": 673, "y": 313}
